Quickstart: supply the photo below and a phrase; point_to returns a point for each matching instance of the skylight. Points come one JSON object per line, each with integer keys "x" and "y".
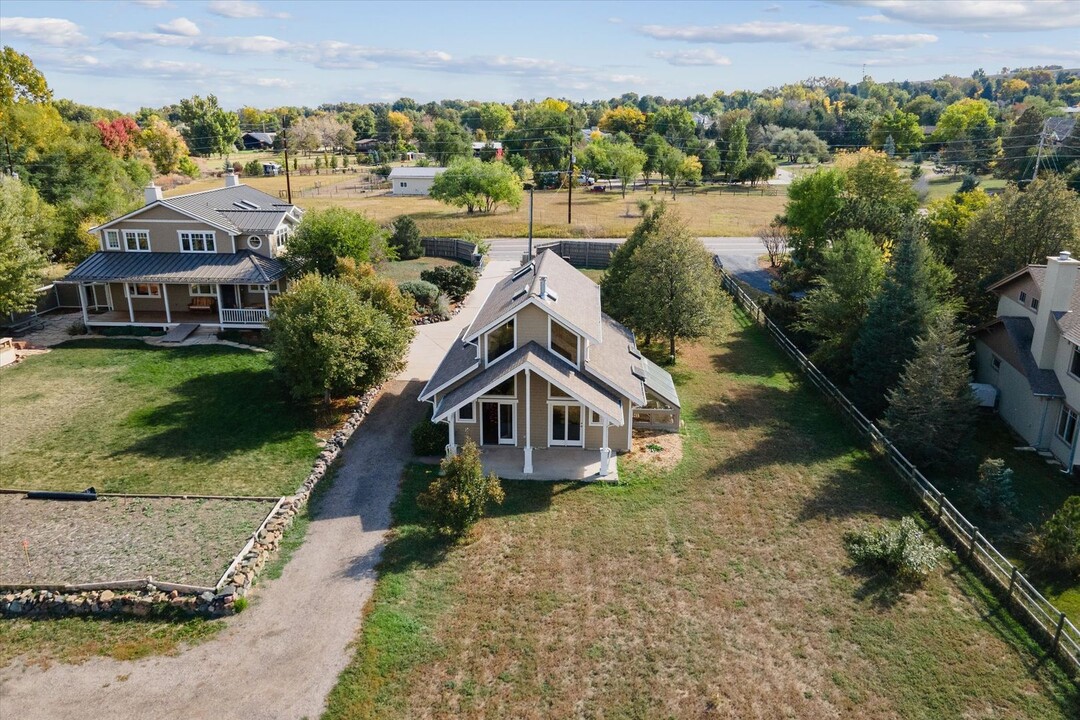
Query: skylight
{"x": 522, "y": 272}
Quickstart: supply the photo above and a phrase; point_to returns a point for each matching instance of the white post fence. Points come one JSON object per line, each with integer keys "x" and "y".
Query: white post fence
{"x": 1026, "y": 603}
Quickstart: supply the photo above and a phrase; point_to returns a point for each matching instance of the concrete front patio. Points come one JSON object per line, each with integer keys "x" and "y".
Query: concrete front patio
{"x": 548, "y": 464}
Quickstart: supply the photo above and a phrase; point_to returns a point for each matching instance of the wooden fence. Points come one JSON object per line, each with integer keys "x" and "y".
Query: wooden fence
{"x": 1025, "y": 602}
{"x": 582, "y": 253}
{"x": 452, "y": 248}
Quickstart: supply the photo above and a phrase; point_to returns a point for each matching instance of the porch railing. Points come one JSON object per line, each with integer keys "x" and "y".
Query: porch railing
{"x": 243, "y": 316}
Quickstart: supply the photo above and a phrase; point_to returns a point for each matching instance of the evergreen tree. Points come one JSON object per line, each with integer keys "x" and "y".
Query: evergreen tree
{"x": 736, "y": 141}
{"x": 931, "y": 411}
{"x": 899, "y": 315}
{"x": 1018, "y": 148}
{"x": 616, "y": 292}
{"x": 890, "y": 146}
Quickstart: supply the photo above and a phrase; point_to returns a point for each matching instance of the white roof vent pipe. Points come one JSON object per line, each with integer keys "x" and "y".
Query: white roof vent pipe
{"x": 543, "y": 287}
{"x": 1064, "y": 255}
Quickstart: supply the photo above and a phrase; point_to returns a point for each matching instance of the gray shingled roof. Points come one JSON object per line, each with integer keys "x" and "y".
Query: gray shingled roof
{"x": 1043, "y": 382}
{"x": 544, "y": 361}
{"x": 613, "y": 363}
{"x": 574, "y": 299}
{"x": 459, "y": 359}
{"x": 217, "y": 206}
{"x": 658, "y": 380}
{"x": 244, "y": 267}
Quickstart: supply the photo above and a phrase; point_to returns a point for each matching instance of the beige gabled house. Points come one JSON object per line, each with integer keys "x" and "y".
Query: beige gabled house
{"x": 208, "y": 258}
{"x": 1030, "y": 353}
{"x": 542, "y": 375}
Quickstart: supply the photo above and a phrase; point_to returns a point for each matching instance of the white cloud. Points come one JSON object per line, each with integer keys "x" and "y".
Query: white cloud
{"x": 47, "y": 31}
{"x": 878, "y": 18}
{"x": 241, "y": 45}
{"x": 771, "y": 9}
{"x": 152, "y": 3}
{"x": 179, "y": 26}
{"x": 241, "y": 9}
{"x": 874, "y": 43}
{"x": 979, "y": 15}
{"x": 749, "y": 32}
{"x": 692, "y": 58}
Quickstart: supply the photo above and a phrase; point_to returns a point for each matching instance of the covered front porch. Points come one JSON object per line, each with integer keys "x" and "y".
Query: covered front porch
{"x": 548, "y": 464}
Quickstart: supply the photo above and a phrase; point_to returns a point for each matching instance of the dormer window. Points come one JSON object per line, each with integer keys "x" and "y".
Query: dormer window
{"x": 112, "y": 239}
{"x": 197, "y": 242}
{"x": 1034, "y": 303}
{"x": 563, "y": 342}
{"x": 500, "y": 341}
{"x": 1023, "y": 297}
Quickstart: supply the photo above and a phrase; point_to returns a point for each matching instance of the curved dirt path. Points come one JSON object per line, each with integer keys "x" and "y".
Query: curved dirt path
{"x": 281, "y": 657}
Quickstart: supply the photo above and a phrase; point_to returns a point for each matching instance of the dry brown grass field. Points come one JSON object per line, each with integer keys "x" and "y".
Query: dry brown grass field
{"x": 719, "y": 589}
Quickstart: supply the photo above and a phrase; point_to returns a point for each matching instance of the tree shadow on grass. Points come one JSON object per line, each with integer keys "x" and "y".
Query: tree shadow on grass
{"x": 747, "y": 351}
{"x": 215, "y": 415}
{"x": 877, "y": 587}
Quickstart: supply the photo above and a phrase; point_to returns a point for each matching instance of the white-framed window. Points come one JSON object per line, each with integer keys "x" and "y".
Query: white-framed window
{"x": 1074, "y": 364}
{"x": 112, "y": 239}
{"x": 137, "y": 240}
{"x": 194, "y": 242}
{"x": 254, "y": 242}
{"x": 1066, "y": 427}
{"x": 563, "y": 342}
{"x": 144, "y": 290}
{"x": 995, "y": 362}
{"x": 467, "y": 413}
{"x": 202, "y": 290}
{"x": 556, "y": 392}
{"x": 1034, "y": 303}
{"x": 507, "y": 388}
{"x": 273, "y": 287}
{"x": 1023, "y": 297}
{"x": 403, "y": 184}
{"x": 594, "y": 418}
{"x": 501, "y": 340}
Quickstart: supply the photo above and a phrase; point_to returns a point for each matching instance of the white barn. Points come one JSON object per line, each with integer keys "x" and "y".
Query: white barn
{"x": 413, "y": 180}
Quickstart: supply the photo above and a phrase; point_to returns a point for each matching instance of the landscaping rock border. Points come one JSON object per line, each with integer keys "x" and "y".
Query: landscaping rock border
{"x": 144, "y": 597}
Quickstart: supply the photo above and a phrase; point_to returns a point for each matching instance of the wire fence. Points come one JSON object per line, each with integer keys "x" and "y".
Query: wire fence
{"x": 1027, "y": 604}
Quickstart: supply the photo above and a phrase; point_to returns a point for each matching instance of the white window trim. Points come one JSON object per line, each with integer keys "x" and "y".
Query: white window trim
{"x": 474, "y": 413}
{"x": 551, "y": 347}
{"x": 1075, "y": 352}
{"x": 564, "y": 396}
{"x": 152, "y": 287}
{"x": 135, "y": 234}
{"x": 1076, "y": 421}
{"x": 111, "y": 235}
{"x": 274, "y": 288}
{"x": 180, "y": 238}
{"x": 1023, "y": 297}
{"x": 552, "y": 442}
{"x": 488, "y": 362}
{"x": 995, "y": 362}
{"x": 599, "y": 420}
{"x": 492, "y": 396}
{"x": 500, "y": 400}
{"x": 257, "y": 240}
{"x": 1035, "y": 304}
{"x": 194, "y": 293}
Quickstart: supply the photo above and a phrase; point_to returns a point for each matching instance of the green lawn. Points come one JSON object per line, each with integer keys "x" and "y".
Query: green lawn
{"x": 405, "y": 270}
{"x": 944, "y": 186}
{"x": 122, "y": 416}
{"x": 718, "y": 589}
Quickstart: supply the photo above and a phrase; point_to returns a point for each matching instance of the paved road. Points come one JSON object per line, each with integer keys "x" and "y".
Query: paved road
{"x": 281, "y": 657}
{"x": 739, "y": 254}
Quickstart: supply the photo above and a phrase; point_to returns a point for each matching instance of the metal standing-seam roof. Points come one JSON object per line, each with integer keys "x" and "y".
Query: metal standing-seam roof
{"x": 218, "y": 206}
{"x": 658, "y": 381}
{"x": 243, "y": 267}
{"x": 255, "y": 220}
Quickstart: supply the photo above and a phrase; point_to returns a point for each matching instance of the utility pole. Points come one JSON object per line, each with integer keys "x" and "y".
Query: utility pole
{"x": 570, "y": 177}
{"x": 532, "y": 186}
{"x": 1038, "y": 156}
{"x": 285, "y": 145}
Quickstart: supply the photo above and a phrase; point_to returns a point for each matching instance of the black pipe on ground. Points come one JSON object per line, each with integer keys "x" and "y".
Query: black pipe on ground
{"x": 87, "y": 494}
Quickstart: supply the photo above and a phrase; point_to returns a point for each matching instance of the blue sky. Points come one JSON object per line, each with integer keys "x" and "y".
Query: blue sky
{"x": 150, "y": 52}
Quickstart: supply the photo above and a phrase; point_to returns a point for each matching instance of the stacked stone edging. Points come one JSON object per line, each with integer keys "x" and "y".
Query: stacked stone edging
{"x": 144, "y": 597}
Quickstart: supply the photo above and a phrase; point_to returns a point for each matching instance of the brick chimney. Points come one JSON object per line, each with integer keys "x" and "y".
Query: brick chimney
{"x": 1057, "y": 290}
{"x": 152, "y": 193}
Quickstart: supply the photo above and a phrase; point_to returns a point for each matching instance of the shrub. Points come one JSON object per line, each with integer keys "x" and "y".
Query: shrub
{"x": 240, "y": 604}
{"x": 461, "y": 496}
{"x": 994, "y": 491}
{"x": 253, "y": 169}
{"x": 899, "y": 548}
{"x": 430, "y": 438}
{"x": 1057, "y": 544}
{"x": 456, "y": 281}
{"x": 969, "y": 183}
{"x": 441, "y": 308}
{"x": 405, "y": 238}
{"x": 76, "y": 328}
{"x": 383, "y": 171}
{"x": 424, "y": 293}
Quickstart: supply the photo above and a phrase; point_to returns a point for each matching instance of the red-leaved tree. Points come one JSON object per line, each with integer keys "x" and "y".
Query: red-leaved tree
{"x": 120, "y": 137}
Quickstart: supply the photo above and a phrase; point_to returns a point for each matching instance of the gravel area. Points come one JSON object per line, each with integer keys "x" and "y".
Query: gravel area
{"x": 180, "y": 541}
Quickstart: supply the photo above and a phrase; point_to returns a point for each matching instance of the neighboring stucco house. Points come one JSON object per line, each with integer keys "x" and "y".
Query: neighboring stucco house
{"x": 207, "y": 258}
{"x": 541, "y": 368}
{"x": 1031, "y": 353}
{"x": 413, "y": 180}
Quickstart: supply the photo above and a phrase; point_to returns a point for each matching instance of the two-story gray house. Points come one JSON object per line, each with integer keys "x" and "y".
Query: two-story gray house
{"x": 206, "y": 258}
{"x": 1030, "y": 352}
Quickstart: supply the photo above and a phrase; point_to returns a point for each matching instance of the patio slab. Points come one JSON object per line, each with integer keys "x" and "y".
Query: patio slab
{"x": 548, "y": 464}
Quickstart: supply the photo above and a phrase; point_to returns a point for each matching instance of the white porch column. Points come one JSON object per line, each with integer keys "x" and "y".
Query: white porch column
{"x": 131, "y": 310}
{"x": 605, "y": 453}
{"x": 165, "y": 297}
{"x": 82, "y": 304}
{"x": 528, "y": 423}
{"x": 451, "y": 448}
{"x": 266, "y": 298}
{"x": 221, "y": 323}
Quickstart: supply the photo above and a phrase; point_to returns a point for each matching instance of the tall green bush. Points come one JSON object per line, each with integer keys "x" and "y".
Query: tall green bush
{"x": 405, "y": 238}
{"x": 460, "y": 497}
{"x": 456, "y": 281}
{"x": 901, "y": 549}
{"x": 994, "y": 491}
{"x": 1057, "y": 544}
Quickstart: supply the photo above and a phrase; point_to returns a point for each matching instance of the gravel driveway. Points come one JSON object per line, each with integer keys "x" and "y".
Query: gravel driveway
{"x": 281, "y": 657}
